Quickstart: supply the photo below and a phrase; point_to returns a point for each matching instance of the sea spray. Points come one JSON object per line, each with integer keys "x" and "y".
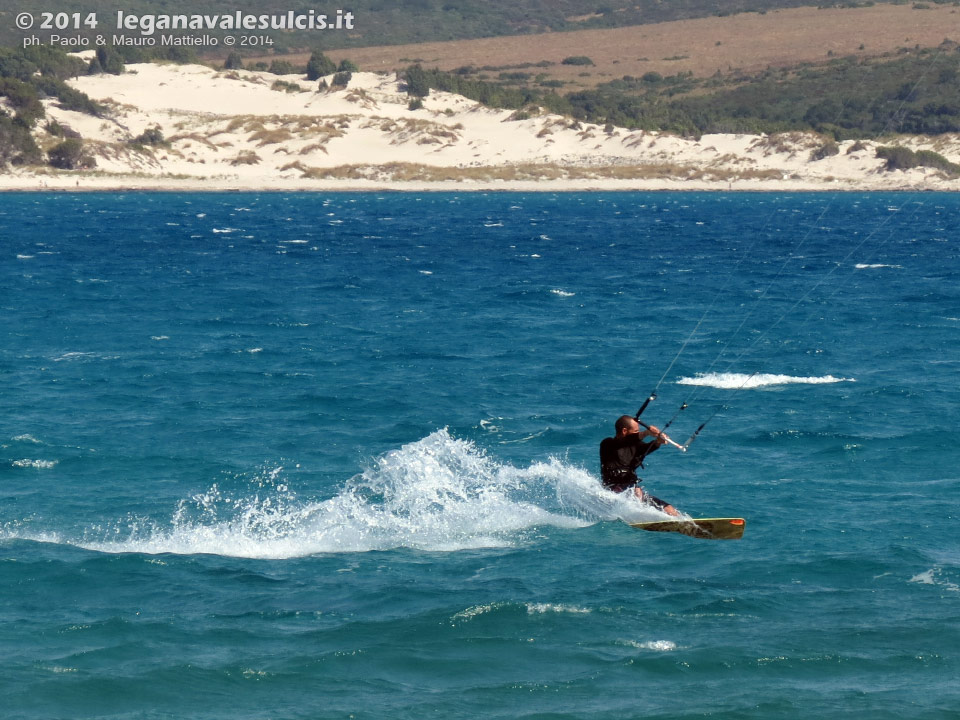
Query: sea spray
{"x": 437, "y": 494}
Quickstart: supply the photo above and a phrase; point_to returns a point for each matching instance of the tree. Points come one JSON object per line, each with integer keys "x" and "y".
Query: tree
{"x": 17, "y": 146}
{"x": 150, "y": 136}
{"x": 416, "y": 81}
{"x": 282, "y": 67}
{"x": 23, "y": 98}
{"x": 234, "y": 62}
{"x": 110, "y": 60}
{"x": 69, "y": 155}
{"x": 319, "y": 65}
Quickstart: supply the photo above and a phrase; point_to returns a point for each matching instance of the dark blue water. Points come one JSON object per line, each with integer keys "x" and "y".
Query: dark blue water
{"x": 330, "y": 456}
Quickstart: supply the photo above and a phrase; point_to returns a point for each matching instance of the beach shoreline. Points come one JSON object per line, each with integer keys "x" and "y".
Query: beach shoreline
{"x": 252, "y": 131}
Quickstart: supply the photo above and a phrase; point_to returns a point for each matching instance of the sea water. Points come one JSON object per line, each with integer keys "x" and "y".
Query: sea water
{"x": 335, "y": 455}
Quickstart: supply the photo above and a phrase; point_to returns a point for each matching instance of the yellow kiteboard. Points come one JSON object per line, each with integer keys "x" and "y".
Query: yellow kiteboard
{"x": 703, "y": 528}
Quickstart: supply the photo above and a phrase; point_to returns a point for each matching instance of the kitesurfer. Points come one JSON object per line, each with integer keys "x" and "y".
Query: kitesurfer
{"x": 622, "y": 454}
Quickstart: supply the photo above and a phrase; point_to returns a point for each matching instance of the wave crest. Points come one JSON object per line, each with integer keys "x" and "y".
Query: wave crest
{"x": 737, "y": 381}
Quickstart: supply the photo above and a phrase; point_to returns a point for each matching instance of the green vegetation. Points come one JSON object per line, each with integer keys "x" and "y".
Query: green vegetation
{"x": 234, "y": 61}
{"x": 108, "y": 60}
{"x": 26, "y": 77}
{"x": 917, "y": 93}
{"x": 150, "y": 136}
{"x": 283, "y": 67}
{"x": 16, "y": 144}
{"x": 913, "y": 92}
{"x": 70, "y": 155}
{"x": 828, "y": 149}
{"x": 901, "y": 158}
{"x": 320, "y": 65}
{"x": 418, "y": 82}
{"x": 577, "y": 60}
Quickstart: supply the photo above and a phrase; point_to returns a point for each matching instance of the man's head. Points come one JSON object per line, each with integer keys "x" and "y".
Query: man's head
{"x": 626, "y": 425}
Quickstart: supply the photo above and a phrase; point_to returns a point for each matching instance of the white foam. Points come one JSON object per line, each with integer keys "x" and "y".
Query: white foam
{"x": 475, "y": 611}
{"x": 874, "y": 266}
{"x": 737, "y": 381}
{"x": 543, "y": 608}
{"x": 438, "y": 494}
{"x": 581, "y": 495}
{"x": 658, "y": 645}
{"x": 933, "y": 576}
{"x": 562, "y": 293}
{"x": 36, "y": 464}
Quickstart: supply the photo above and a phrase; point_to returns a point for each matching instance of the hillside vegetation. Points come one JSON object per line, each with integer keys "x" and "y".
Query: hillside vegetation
{"x": 915, "y": 92}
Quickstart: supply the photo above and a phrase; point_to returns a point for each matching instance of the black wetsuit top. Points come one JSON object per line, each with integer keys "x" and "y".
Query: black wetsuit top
{"x": 619, "y": 459}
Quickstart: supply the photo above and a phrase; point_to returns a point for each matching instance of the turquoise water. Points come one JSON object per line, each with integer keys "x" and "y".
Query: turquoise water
{"x": 331, "y": 456}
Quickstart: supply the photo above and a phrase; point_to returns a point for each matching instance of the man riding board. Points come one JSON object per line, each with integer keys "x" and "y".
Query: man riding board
{"x": 622, "y": 454}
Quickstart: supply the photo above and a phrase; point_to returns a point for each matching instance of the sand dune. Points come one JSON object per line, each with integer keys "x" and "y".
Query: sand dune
{"x": 243, "y": 130}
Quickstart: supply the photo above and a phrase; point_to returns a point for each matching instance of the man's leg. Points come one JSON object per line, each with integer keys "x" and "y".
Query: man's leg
{"x": 656, "y": 502}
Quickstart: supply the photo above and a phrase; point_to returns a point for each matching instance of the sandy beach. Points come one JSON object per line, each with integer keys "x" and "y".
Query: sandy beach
{"x": 244, "y": 130}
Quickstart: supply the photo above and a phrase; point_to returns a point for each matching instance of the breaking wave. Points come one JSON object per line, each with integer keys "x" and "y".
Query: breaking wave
{"x": 737, "y": 381}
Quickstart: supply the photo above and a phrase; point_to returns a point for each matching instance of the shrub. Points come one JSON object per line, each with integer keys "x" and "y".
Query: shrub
{"x": 415, "y": 104}
{"x": 14, "y": 66}
{"x": 70, "y": 99}
{"x": 898, "y": 158}
{"x": 577, "y": 60}
{"x": 16, "y": 144}
{"x": 234, "y": 62}
{"x": 826, "y": 150}
{"x": 319, "y": 65}
{"x": 110, "y": 60}
{"x": 70, "y": 155}
{"x": 416, "y": 81}
{"x": 341, "y": 79}
{"x": 929, "y": 158}
{"x": 284, "y": 86}
{"x": 901, "y": 158}
{"x": 282, "y": 67}
{"x": 245, "y": 158}
{"x": 348, "y": 66}
{"x": 176, "y": 53}
{"x": 150, "y": 136}
{"x": 22, "y": 98}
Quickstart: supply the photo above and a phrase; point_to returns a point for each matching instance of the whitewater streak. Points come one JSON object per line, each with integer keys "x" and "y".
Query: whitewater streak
{"x": 737, "y": 381}
{"x": 438, "y": 494}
